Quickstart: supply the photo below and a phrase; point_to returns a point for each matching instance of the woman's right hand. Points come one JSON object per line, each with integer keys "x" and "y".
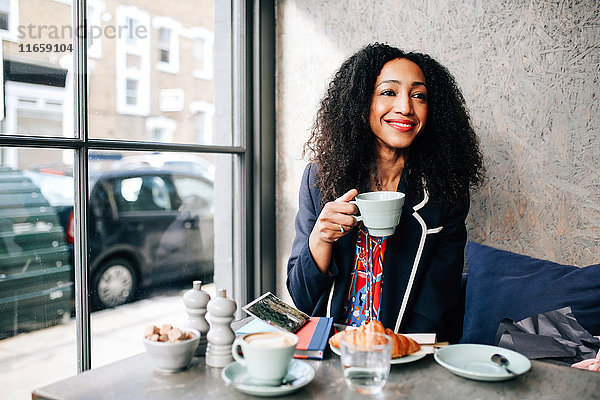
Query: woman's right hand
{"x": 335, "y": 220}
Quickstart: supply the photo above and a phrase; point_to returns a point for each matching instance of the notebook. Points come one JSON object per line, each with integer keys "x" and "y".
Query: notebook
{"x": 313, "y": 338}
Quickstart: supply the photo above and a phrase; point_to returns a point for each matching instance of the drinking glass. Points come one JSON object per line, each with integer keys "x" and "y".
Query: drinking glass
{"x": 366, "y": 358}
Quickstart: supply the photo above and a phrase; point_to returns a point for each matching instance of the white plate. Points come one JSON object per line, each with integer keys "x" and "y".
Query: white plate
{"x": 473, "y": 361}
{"x": 299, "y": 374}
{"x": 402, "y": 360}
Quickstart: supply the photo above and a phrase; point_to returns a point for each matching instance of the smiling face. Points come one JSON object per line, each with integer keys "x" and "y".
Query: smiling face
{"x": 399, "y": 105}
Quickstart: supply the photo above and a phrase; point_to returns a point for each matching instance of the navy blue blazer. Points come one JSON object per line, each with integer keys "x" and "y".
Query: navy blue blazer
{"x": 425, "y": 254}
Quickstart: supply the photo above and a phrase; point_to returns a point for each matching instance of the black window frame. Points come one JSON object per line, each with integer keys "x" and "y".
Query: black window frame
{"x": 250, "y": 52}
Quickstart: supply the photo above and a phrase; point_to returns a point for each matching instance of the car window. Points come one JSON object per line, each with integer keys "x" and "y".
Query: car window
{"x": 130, "y": 189}
{"x": 196, "y": 194}
{"x": 143, "y": 194}
{"x": 160, "y": 193}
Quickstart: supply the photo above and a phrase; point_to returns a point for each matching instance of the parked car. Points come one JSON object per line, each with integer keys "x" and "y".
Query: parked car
{"x": 145, "y": 227}
{"x": 36, "y": 287}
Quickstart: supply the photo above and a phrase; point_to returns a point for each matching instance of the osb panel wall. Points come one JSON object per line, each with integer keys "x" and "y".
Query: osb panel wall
{"x": 530, "y": 72}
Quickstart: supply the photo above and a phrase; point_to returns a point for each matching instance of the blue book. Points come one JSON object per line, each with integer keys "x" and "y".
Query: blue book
{"x": 313, "y": 338}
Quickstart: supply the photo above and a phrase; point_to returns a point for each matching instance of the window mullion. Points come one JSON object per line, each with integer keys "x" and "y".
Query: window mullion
{"x": 82, "y": 310}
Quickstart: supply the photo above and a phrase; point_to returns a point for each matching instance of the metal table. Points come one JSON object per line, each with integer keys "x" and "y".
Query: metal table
{"x": 134, "y": 378}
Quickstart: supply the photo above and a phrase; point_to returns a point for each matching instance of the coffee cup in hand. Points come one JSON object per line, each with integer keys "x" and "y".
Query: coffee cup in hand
{"x": 379, "y": 211}
{"x": 265, "y": 355}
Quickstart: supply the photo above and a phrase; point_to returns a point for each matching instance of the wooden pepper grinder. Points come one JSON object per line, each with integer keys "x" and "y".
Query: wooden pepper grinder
{"x": 195, "y": 301}
{"x": 220, "y": 335}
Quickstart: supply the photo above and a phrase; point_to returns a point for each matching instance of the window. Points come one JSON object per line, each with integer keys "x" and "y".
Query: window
{"x": 132, "y": 61}
{"x": 167, "y": 43}
{"x": 131, "y": 25}
{"x": 164, "y": 43}
{"x": 167, "y": 187}
{"x": 161, "y": 129}
{"x": 142, "y": 194}
{"x": 131, "y": 92}
{"x": 9, "y": 19}
{"x": 202, "y": 50}
{"x": 33, "y": 109}
{"x": 4, "y": 15}
{"x": 203, "y": 116}
{"x": 200, "y": 127}
{"x": 95, "y": 10}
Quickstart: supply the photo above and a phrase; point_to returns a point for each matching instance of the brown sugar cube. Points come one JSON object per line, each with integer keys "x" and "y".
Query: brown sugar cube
{"x": 154, "y": 337}
{"x": 175, "y": 335}
{"x": 165, "y": 328}
{"x": 151, "y": 330}
{"x": 163, "y": 338}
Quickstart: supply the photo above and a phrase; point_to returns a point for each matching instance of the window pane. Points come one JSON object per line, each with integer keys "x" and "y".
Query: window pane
{"x": 131, "y": 27}
{"x": 3, "y": 21}
{"x": 164, "y": 35}
{"x": 37, "y": 326}
{"x": 37, "y": 70}
{"x": 171, "y": 65}
{"x": 151, "y": 233}
{"x": 132, "y": 92}
{"x": 164, "y": 55}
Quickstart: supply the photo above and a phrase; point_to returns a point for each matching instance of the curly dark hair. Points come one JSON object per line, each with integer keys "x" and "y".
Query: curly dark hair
{"x": 444, "y": 157}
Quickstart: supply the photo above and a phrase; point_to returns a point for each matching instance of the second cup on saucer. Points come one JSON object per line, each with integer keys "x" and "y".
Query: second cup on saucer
{"x": 265, "y": 355}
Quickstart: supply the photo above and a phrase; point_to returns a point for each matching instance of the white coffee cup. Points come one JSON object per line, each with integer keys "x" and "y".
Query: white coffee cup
{"x": 380, "y": 211}
{"x": 265, "y": 355}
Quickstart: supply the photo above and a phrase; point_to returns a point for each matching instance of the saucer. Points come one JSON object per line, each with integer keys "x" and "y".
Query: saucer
{"x": 473, "y": 361}
{"x": 300, "y": 374}
{"x": 400, "y": 360}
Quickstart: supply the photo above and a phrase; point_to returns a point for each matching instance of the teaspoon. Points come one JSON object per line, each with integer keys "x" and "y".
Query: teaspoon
{"x": 502, "y": 361}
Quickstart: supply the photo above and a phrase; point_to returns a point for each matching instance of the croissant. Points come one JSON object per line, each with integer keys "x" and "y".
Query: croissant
{"x": 401, "y": 345}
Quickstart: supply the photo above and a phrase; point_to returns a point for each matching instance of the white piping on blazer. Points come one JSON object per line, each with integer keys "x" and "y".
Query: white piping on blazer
{"x": 413, "y": 273}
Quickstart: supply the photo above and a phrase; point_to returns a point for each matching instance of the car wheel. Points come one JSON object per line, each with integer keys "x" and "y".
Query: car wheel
{"x": 114, "y": 283}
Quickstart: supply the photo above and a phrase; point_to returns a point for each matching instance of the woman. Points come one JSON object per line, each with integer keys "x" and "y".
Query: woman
{"x": 390, "y": 120}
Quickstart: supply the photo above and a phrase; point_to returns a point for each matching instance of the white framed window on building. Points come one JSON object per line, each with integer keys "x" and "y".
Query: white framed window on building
{"x": 167, "y": 43}
{"x": 9, "y": 20}
{"x": 160, "y": 129}
{"x": 203, "y": 112}
{"x": 203, "y": 40}
{"x": 95, "y": 10}
{"x": 131, "y": 25}
{"x": 164, "y": 45}
{"x": 132, "y": 61}
{"x": 131, "y": 92}
{"x": 33, "y": 109}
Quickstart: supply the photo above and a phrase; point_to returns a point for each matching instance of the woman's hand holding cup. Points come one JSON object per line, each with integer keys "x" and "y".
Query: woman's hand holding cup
{"x": 336, "y": 220}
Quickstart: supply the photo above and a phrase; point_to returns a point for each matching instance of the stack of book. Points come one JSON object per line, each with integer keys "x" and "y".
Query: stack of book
{"x": 272, "y": 314}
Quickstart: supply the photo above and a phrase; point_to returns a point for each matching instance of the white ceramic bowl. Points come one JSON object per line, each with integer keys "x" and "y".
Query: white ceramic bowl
{"x": 172, "y": 357}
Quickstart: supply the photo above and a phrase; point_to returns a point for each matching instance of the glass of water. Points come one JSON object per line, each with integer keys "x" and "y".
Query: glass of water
{"x": 365, "y": 358}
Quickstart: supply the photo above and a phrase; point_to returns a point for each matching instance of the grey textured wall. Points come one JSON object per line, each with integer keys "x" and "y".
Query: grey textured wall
{"x": 530, "y": 72}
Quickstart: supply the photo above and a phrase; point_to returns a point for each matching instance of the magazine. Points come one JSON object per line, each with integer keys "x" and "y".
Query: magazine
{"x": 276, "y": 312}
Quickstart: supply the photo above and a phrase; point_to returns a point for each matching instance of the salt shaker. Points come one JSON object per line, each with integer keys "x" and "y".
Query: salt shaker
{"x": 195, "y": 301}
{"x": 220, "y": 335}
